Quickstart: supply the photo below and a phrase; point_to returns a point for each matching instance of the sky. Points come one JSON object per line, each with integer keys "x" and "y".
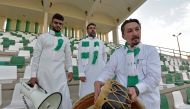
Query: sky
{"x": 160, "y": 20}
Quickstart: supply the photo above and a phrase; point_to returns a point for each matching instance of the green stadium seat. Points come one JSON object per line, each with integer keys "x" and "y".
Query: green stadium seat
{"x": 162, "y": 58}
{"x": 12, "y": 42}
{"x": 6, "y": 43}
{"x": 163, "y": 102}
{"x": 164, "y": 68}
{"x": 181, "y": 67}
{"x": 178, "y": 79}
{"x": 169, "y": 78}
{"x": 188, "y": 95}
{"x": 29, "y": 48}
{"x": 4, "y": 63}
{"x": 19, "y": 61}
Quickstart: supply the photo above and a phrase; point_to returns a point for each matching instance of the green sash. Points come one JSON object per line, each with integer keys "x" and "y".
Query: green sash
{"x": 59, "y": 41}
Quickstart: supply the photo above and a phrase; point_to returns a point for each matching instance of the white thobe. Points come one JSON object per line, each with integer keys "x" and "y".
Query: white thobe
{"x": 149, "y": 74}
{"x": 89, "y": 70}
{"x": 49, "y": 66}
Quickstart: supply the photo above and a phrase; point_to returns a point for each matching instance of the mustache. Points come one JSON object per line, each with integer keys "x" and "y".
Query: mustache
{"x": 135, "y": 37}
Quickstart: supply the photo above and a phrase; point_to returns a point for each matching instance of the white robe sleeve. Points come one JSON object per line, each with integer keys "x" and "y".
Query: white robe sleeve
{"x": 68, "y": 57}
{"x": 108, "y": 71}
{"x": 80, "y": 65}
{"x": 152, "y": 74}
{"x": 36, "y": 57}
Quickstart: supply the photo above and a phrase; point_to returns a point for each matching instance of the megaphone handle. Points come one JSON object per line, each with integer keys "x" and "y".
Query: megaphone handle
{"x": 26, "y": 104}
{"x": 41, "y": 88}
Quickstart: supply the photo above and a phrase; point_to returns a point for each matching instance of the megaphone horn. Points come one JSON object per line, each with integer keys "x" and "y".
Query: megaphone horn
{"x": 40, "y": 99}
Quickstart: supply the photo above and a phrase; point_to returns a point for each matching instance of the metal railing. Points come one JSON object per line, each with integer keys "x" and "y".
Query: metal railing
{"x": 173, "y": 52}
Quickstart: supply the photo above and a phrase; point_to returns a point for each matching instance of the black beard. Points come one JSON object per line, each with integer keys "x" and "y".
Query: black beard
{"x": 92, "y": 35}
{"x": 55, "y": 30}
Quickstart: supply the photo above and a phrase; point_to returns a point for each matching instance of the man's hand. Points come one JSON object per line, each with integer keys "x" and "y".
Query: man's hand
{"x": 82, "y": 78}
{"x": 33, "y": 81}
{"x": 70, "y": 76}
{"x": 97, "y": 89}
{"x": 132, "y": 92}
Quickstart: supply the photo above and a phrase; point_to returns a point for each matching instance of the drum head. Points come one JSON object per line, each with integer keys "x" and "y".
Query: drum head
{"x": 115, "y": 96}
{"x": 86, "y": 102}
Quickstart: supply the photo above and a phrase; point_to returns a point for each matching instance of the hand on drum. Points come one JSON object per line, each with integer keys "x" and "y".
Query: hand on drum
{"x": 97, "y": 89}
{"x": 132, "y": 92}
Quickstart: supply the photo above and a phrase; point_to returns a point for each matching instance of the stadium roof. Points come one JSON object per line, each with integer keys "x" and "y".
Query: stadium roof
{"x": 107, "y": 14}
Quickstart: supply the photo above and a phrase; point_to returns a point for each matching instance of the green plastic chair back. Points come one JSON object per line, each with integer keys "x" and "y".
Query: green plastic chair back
{"x": 169, "y": 79}
{"x": 178, "y": 79}
{"x": 188, "y": 95}
{"x": 4, "y": 63}
{"x": 163, "y": 102}
{"x": 29, "y": 48}
{"x": 164, "y": 68}
{"x": 19, "y": 61}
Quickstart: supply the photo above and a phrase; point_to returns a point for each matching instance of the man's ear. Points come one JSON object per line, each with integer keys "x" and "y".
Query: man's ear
{"x": 122, "y": 35}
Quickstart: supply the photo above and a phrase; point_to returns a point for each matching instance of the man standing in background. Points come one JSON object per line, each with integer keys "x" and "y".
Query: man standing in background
{"x": 91, "y": 59}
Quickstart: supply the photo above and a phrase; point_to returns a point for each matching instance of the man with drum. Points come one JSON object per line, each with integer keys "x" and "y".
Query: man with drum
{"x": 136, "y": 66}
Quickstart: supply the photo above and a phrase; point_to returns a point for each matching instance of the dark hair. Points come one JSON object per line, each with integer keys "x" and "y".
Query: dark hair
{"x": 129, "y": 21}
{"x": 90, "y": 24}
{"x": 58, "y": 16}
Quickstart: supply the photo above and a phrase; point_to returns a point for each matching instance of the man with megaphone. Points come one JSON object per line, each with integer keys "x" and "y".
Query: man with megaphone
{"x": 51, "y": 60}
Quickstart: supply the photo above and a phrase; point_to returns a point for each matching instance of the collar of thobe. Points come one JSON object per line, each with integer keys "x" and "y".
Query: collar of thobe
{"x": 59, "y": 39}
{"x": 91, "y": 38}
{"x": 134, "y": 50}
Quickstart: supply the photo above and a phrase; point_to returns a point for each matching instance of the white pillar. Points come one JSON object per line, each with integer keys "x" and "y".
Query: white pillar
{"x": 32, "y": 27}
{"x": 45, "y": 28}
{"x": 2, "y": 22}
{"x": 115, "y": 35}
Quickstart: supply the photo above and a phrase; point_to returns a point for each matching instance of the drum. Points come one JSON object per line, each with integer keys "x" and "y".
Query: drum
{"x": 114, "y": 96}
{"x": 86, "y": 102}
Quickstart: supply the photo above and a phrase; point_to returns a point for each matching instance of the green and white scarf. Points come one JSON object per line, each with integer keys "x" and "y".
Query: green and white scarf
{"x": 85, "y": 54}
{"x": 59, "y": 39}
{"x": 131, "y": 63}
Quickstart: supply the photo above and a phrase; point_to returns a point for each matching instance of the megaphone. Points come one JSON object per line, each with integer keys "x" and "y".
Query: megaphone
{"x": 40, "y": 98}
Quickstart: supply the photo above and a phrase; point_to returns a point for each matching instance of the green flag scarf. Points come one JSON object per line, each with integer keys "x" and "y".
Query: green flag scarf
{"x": 136, "y": 49}
{"x": 59, "y": 41}
{"x": 132, "y": 80}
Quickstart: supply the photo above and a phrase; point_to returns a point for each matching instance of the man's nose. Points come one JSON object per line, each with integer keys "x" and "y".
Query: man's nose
{"x": 135, "y": 32}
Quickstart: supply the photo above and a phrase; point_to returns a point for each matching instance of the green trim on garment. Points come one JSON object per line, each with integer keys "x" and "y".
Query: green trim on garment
{"x": 58, "y": 34}
{"x": 59, "y": 44}
{"x": 95, "y": 56}
{"x": 85, "y": 44}
{"x": 132, "y": 81}
{"x": 136, "y": 49}
{"x": 85, "y": 55}
{"x": 59, "y": 41}
{"x": 96, "y": 43}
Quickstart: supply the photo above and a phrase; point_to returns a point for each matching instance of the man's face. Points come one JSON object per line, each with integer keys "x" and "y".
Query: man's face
{"x": 57, "y": 25}
{"x": 132, "y": 33}
{"x": 91, "y": 31}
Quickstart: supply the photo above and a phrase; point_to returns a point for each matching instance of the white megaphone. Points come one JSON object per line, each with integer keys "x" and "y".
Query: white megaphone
{"x": 39, "y": 98}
